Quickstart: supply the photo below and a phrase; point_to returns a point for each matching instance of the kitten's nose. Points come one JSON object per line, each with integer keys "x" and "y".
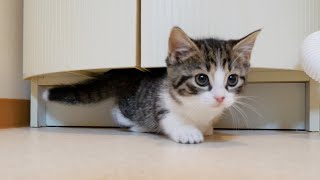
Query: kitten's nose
{"x": 219, "y": 99}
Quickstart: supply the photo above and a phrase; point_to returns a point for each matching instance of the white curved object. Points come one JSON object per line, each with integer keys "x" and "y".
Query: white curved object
{"x": 311, "y": 55}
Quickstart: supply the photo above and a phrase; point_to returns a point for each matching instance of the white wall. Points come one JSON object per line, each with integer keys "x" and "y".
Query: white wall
{"x": 11, "y": 26}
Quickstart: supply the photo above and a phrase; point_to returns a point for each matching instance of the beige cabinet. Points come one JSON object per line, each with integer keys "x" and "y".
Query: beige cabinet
{"x": 284, "y": 23}
{"x": 68, "y": 35}
{"x": 64, "y": 36}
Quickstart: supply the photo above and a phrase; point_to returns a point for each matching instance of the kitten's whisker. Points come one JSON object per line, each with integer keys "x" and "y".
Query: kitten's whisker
{"x": 245, "y": 97}
{"x": 250, "y": 98}
{"x": 247, "y": 101}
{"x": 249, "y": 107}
{"x": 233, "y": 117}
{"x": 245, "y": 117}
{"x": 243, "y": 112}
{"x": 235, "y": 112}
{"x": 236, "y": 119}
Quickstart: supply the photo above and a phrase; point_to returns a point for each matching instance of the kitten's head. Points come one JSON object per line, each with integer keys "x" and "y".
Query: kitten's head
{"x": 208, "y": 72}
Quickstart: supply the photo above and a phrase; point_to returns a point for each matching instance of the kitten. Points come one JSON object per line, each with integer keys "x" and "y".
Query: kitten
{"x": 203, "y": 77}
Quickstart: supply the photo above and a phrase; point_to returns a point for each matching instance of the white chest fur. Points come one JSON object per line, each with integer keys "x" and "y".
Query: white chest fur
{"x": 193, "y": 112}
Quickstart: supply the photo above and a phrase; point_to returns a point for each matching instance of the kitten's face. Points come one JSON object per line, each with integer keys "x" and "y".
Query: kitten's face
{"x": 208, "y": 72}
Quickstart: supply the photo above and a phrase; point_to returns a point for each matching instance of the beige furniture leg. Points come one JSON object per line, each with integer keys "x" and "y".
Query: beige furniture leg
{"x": 313, "y": 106}
{"x": 37, "y": 111}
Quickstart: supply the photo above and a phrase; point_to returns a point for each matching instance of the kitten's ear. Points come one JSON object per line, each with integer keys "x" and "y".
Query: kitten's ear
{"x": 244, "y": 46}
{"x": 181, "y": 47}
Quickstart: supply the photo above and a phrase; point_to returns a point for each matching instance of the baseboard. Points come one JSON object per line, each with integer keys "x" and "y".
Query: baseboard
{"x": 14, "y": 113}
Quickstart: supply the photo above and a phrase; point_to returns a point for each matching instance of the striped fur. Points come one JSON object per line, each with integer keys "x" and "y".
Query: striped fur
{"x": 171, "y": 100}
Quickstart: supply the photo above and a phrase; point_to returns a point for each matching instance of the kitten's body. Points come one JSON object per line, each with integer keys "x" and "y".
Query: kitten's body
{"x": 181, "y": 101}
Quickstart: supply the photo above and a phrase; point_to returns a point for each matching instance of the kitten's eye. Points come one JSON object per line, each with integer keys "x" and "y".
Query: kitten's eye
{"x": 232, "y": 80}
{"x": 202, "y": 80}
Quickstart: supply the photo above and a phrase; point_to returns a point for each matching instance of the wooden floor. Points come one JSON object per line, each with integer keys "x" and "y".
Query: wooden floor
{"x": 97, "y": 153}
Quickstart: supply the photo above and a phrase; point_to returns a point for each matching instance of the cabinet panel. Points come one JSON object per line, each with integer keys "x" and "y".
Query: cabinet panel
{"x": 284, "y": 25}
{"x": 266, "y": 107}
{"x": 62, "y": 35}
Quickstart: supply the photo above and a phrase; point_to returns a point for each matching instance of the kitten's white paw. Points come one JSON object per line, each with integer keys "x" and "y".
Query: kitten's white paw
{"x": 187, "y": 135}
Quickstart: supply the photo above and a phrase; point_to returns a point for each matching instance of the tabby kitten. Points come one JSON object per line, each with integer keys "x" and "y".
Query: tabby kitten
{"x": 202, "y": 79}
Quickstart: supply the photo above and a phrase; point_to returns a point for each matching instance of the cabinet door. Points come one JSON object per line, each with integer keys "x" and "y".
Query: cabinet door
{"x": 67, "y": 35}
{"x": 284, "y": 25}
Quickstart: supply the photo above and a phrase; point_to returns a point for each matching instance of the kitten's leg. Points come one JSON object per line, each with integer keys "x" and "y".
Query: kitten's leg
{"x": 125, "y": 122}
{"x": 138, "y": 129}
{"x": 209, "y": 131}
{"x": 119, "y": 118}
{"x": 179, "y": 131}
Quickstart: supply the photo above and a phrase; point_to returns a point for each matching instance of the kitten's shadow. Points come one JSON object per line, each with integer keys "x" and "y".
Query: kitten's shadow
{"x": 217, "y": 140}
{"x": 220, "y": 137}
{"x": 222, "y": 140}
{"x": 100, "y": 131}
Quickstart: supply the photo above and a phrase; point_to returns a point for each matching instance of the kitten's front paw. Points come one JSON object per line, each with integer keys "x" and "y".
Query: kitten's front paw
{"x": 187, "y": 135}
